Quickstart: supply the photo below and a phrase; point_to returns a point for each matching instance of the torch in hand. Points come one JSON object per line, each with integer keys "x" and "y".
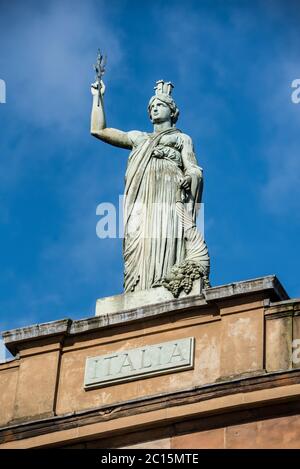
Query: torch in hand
{"x": 99, "y": 68}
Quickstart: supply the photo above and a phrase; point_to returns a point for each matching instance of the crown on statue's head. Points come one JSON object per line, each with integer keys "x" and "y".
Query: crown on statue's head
{"x": 163, "y": 87}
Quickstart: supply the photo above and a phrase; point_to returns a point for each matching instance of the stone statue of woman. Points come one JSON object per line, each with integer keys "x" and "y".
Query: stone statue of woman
{"x": 163, "y": 185}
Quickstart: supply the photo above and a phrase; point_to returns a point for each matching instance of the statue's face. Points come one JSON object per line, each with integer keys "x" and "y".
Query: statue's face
{"x": 159, "y": 112}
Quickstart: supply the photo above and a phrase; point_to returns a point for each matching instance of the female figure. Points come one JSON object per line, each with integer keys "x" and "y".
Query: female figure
{"x": 161, "y": 244}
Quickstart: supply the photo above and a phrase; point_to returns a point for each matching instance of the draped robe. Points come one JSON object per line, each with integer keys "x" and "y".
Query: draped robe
{"x": 153, "y": 234}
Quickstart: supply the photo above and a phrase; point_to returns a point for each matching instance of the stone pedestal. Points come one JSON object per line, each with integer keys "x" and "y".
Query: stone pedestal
{"x": 138, "y": 299}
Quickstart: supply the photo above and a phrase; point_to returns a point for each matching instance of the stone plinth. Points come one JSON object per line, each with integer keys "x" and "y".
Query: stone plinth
{"x": 138, "y": 299}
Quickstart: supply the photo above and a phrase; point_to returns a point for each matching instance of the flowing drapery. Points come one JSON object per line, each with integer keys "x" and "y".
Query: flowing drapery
{"x": 153, "y": 233}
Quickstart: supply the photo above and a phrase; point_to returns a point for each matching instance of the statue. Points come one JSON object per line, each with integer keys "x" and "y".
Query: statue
{"x": 163, "y": 185}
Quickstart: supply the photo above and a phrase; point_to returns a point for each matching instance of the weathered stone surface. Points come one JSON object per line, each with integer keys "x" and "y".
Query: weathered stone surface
{"x": 196, "y": 409}
{"x": 8, "y": 386}
{"x": 140, "y": 298}
{"x": 296, "y": 339}
{"x": 279, "y": 342}
{"x": 270, "y": 283}
{"x": 208, "y": 354}
{"x": 36, "y": 387}
{"x": 164, "y": 443}
{"x": 15, "y": 336}
{"x": 211, "y": 439}
{"x": 283, "y": 432}
{"x": 242, "y": 343}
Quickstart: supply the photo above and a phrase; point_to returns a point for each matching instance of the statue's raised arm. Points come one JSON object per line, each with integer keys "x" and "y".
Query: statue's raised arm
{"x": 115, "y": 137}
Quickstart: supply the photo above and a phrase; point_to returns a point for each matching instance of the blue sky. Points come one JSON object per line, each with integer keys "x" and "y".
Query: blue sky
{"x": 232, "y": 63}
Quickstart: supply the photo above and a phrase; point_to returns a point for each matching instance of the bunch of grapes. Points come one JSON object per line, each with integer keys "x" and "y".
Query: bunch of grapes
{"x": 192, "y": 270}
{"x": 187, "y": 284}
{"x": 173, "y": 286}
{"x": 181, "y": 277}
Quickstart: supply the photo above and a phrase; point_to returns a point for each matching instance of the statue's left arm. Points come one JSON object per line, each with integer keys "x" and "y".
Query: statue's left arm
{"x": 193, "y": 173}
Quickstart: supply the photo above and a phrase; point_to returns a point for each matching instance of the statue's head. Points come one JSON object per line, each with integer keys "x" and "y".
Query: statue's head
{"x": 162, "y": 106}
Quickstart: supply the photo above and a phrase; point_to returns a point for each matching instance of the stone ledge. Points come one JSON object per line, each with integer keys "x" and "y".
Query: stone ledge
{"x": 286, "y": 307}
{"x": 9, "y": 364}
{"x": 37, "y": 330}
{"x": 278, "y": 387}
{"x": 136, "y": 314}
{"x": 245, "y": 287}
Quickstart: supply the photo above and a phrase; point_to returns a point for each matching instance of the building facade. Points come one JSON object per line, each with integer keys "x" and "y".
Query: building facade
{"x": 218, "y": 370}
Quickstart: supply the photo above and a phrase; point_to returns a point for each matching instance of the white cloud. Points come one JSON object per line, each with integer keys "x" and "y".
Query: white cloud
{"x": 49, "y": 50}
